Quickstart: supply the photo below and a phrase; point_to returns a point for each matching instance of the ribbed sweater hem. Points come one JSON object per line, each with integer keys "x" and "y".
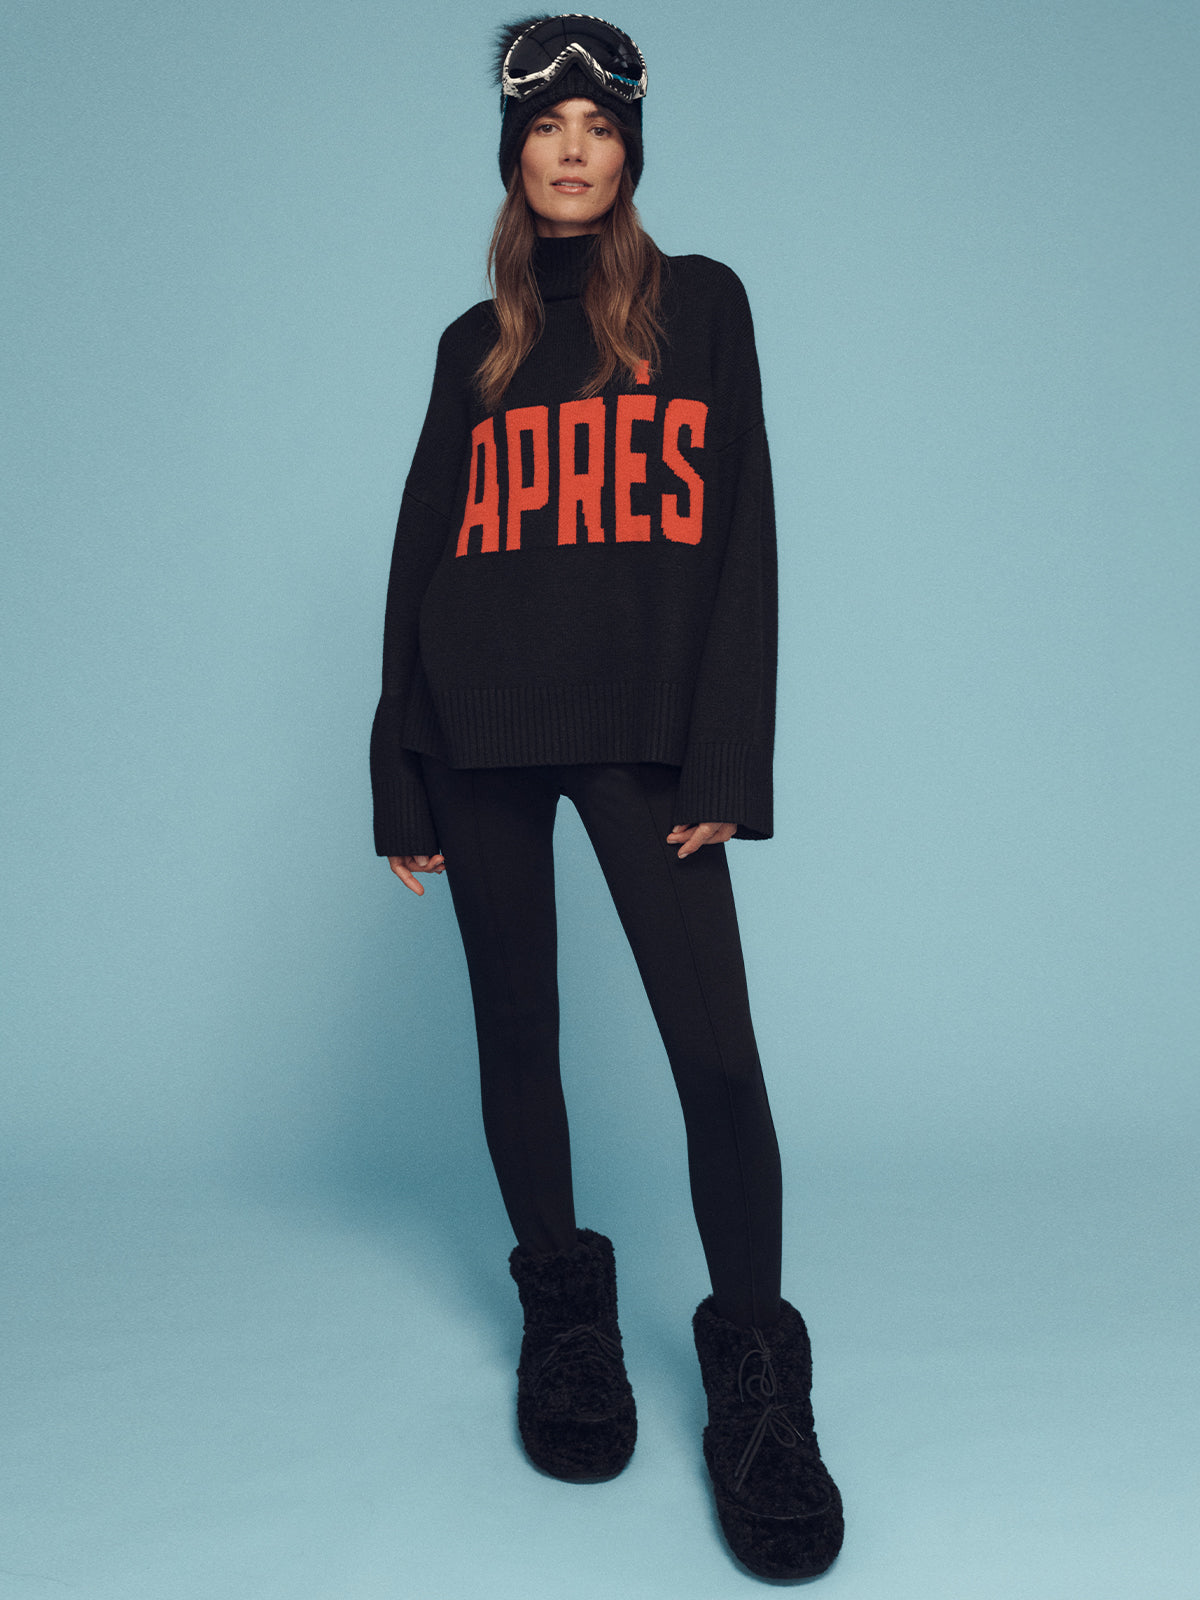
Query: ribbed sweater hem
{"x": 551, "y": 723}
{"x": 564, "y": 724}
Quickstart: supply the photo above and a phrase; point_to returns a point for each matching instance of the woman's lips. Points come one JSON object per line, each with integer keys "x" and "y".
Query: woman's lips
{"x": 571, "y": 185}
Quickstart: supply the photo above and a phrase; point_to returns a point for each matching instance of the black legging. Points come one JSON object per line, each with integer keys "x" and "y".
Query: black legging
{"x": 495, "y": 828}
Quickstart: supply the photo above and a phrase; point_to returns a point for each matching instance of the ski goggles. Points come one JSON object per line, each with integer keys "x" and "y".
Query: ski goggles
{"x": 544, "y": 52}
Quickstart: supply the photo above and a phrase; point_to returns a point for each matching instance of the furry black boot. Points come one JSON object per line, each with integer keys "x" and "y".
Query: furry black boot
{"x": 575, "y": 1407}
{"x": 779, "y": 1509}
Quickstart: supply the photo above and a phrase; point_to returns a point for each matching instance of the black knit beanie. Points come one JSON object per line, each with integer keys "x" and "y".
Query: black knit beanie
{"x": 575, "y": 82}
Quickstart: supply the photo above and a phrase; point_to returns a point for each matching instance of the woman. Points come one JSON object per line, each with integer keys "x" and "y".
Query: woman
{"x": 583, "y": 601}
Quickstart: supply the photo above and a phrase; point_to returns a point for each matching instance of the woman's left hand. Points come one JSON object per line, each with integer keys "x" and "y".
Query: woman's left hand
{"x": 697, "y": 833}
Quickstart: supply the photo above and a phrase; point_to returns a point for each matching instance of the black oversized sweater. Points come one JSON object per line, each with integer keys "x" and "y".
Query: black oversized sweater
{"x": 588, "y": 580}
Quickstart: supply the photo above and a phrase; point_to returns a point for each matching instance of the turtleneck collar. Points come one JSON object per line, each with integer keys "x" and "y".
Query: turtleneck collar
{"x": 561, "y": 265}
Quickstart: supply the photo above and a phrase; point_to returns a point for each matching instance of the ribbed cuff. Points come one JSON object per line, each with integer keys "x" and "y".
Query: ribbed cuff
{"x": 727, "y": 782}
{"x": 403, "y": 821}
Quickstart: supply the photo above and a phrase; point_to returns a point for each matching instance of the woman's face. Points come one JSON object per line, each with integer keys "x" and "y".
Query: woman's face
{"x": 571, "y": 165}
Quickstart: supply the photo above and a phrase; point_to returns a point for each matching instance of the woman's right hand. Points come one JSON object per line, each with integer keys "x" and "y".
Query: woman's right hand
{"x": 405, "y": 866}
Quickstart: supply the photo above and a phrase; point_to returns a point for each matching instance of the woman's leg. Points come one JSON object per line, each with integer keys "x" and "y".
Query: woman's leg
{"x": 575, "y": 1408}
{"x": 680, "y": 919}
{"x": 495, "y": 827}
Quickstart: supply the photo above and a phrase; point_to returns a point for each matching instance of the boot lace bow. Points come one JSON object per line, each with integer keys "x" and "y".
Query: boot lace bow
{"x": 763, "y": 1387}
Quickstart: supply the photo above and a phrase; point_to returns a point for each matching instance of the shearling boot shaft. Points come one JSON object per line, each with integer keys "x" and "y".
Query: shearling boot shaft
{"x": 573, "y": 1286}
{"x": 736, "y": 1361}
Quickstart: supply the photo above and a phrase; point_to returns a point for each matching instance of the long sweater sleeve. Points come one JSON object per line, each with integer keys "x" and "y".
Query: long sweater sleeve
{"x": 403, "y": 821}
{"x": 727, "y": 769}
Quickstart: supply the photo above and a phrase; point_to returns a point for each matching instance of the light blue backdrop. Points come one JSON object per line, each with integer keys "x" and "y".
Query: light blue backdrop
{"x": 969, "y": 237}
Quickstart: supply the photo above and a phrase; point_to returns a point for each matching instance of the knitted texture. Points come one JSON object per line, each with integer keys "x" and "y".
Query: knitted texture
{"x": 588, "y": 580}
{"x": 780, "y": 1510}
{"x": 575, "y": 1407}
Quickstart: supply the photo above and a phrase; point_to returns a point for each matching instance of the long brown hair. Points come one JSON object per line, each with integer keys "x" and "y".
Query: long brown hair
{"x": 621, "y": 297}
